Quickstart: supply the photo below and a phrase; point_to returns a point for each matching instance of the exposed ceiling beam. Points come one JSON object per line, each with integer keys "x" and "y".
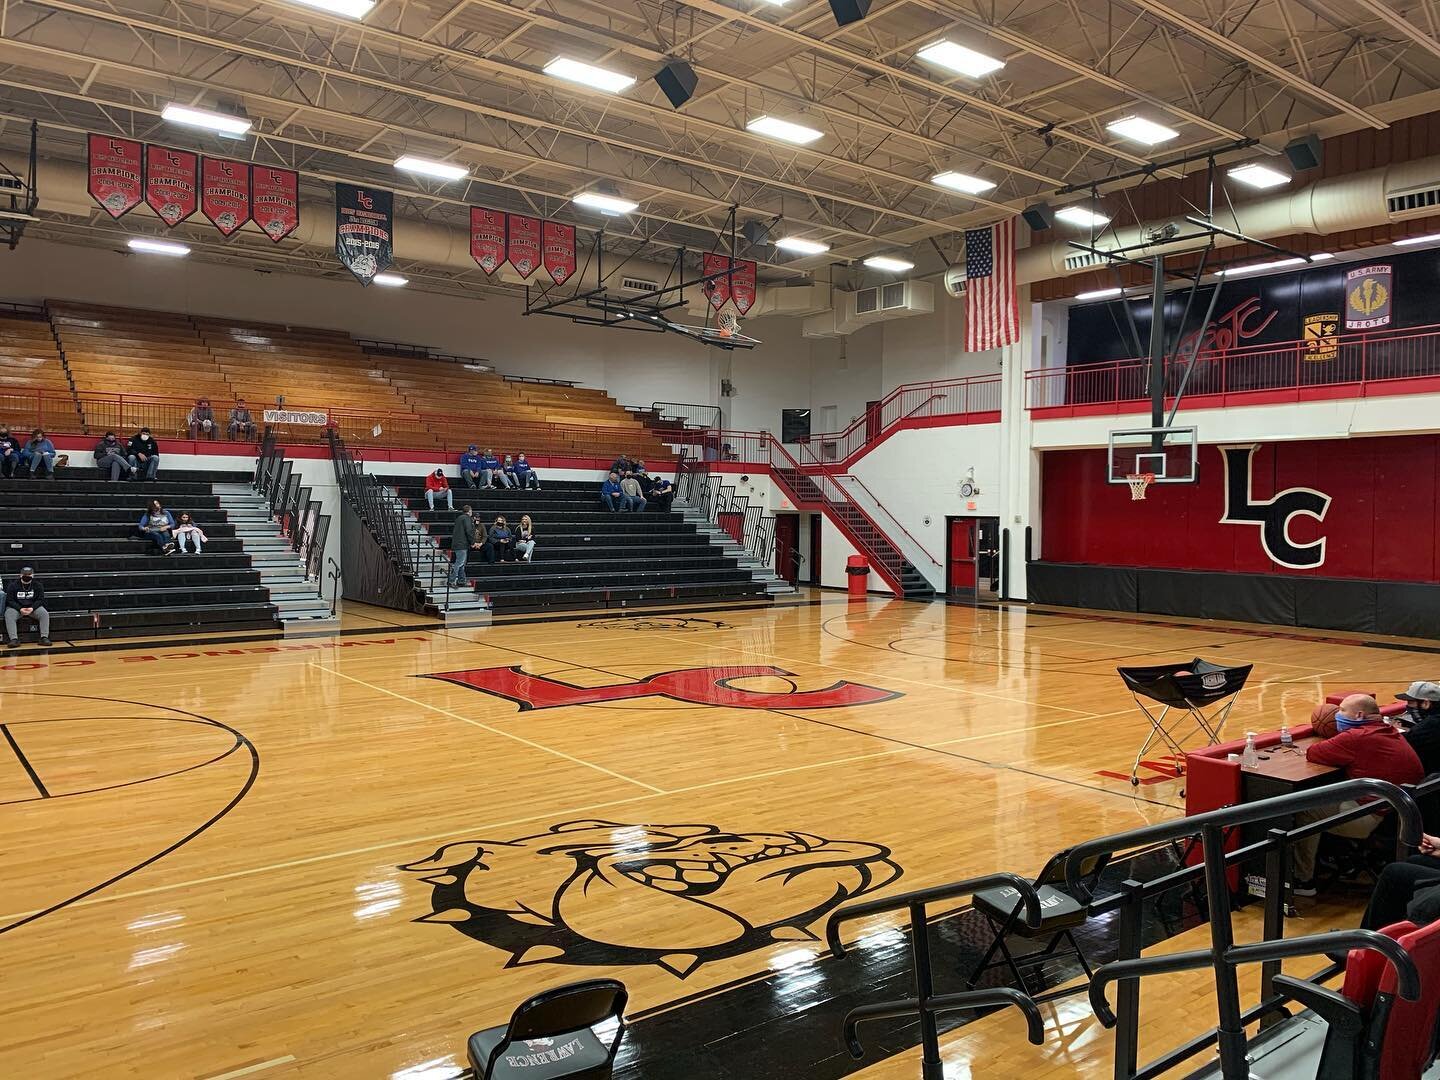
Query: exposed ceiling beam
{"x": 1401, "y": 25}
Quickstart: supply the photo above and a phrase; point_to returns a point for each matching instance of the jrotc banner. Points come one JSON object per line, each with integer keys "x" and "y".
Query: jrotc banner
{"x": 487, "y": 238}
{"x": 1368, "y": 297}
{"x": 225, "y": 193}
{"x": 114, "y": 174}
{"x": 275, "y": 194}
{"x": 718, "y": 289}
{"x": 742, "y": 286}
{"x": 364, "y": 230}
{"x": 1321, "y": 344}
{"x": 172, "y": 183}
{"x": 559, "y": 253}
{"x": 522, "y": 245}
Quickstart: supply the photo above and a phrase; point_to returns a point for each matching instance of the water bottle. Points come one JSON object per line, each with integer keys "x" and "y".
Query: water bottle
{"x": 1287, "y": 741}
{"x": 1249, "y": 757}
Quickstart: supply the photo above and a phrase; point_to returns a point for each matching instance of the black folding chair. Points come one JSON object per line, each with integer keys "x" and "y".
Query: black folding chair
{"x": 553, "y": 1034}
{"x": 1060, "y": 914}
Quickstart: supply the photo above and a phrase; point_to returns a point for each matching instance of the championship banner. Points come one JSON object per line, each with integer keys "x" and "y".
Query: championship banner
{"x": 113, "y": 174}
{"x": 559, "y": 250}
{"x": 172, "y": 183}
{"x": 522, "y": 245}
{"x": 225, "y": 193}
{"x": 1321, "y": 344}
{"x": 742, "y": 286}
{"x": 487, "y": 238}
{"x": 1368, "y": 296}
{"x": 275, "y": 194}
{"x": 717, "y": 290}
{"x": 364, "y": 230}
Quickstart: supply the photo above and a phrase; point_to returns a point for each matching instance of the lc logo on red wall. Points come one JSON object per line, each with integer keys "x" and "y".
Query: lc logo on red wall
{"x": 1273, "y": 515}
{"x": 695, "y": 686}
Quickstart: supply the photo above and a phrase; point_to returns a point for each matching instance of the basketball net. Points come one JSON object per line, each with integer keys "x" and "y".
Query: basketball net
{"x": 1138, "y": 483}
{"x": 726, "y": 323}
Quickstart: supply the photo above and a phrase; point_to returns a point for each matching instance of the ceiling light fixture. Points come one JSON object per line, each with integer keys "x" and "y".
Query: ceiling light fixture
{"x": 801, "y": 246}
{"x": 889, "y": 263}
{"x": 1255, "y": 268}
{"x": 959, "y": 59}
{"x": 158, "y": 247}
{"x": 1428, "y": 238}
{"x": 606, "y": 203}
{"x": 220, "y": 123}
{"x": 597, "y": 78}
{"x": 354, "y": 9}
{"x": 1098, "y": 294}
{"x": 441, "y": 170}
{"x": 785, "y": 130}
{"x": 1322, "y": 257}
{"x": 392, "y": 281}
{"x": 1081, "y": 216}
{"x": 1257, "y": 175}
{"x": 963, "y": 182}
{"x": 1138, "y": 129}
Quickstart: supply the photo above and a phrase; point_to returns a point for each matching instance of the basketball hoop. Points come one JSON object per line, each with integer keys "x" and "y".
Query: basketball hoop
{"x": 726, "y": 324}
{"x": 1138, "y": 483}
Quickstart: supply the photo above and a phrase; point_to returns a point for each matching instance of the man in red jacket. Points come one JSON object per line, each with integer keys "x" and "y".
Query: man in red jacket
{"x": 1365, "y": 747}
{"x": 436, "y": 484}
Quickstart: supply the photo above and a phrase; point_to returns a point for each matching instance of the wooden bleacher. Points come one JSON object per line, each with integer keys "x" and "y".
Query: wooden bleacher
{"x": 34, "y": 389}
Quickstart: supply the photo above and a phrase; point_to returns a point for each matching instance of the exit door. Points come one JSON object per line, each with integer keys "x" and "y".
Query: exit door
{"x": 972, "y": 555}
{"x": 787, "y": 542}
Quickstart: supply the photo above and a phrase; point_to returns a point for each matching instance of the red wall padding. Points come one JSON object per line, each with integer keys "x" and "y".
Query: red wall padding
{"x": 1383, "y": 522}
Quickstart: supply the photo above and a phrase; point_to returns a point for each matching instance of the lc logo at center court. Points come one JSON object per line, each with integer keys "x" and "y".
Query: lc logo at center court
{"x": 695, "y": 686}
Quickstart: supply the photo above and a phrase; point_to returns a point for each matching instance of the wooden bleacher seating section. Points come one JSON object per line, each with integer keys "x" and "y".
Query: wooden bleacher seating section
{"x": 425, "y": 403}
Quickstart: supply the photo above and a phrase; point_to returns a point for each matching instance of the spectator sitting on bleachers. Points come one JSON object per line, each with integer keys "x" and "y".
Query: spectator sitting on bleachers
{"x": 25, "y": 599}
{"x": 507, "y": 469}
{"x": 157, "y": 526}
{"x": 40, "y": 453}
{"x": 611, "y": 497}
{"x": 525, "y": 476}
{"x": 110, "y": 452}
{"x": 10, "y": 452}
{"x": 662, "y": 493}
{"x": 647, "y": 482}
{"x": 201, "y": 419}
{"x": 1364, "y": 747}
{"x": 621, "y": 465}
{"x": 1407, "y": 890}
{"x": 494, "y": 475}
{"x": 436, "y": 484}
{"x": 240, "y": 421}
{"x": 525, "y": 538}
{"x": 472, "y": 467}
{"x": 634, "y": 495}
{"x": 143, "y": 452}
{"x": 1421, "y": 723}
{"x": 499, "y": 542}
{"x": 185, "y": 531}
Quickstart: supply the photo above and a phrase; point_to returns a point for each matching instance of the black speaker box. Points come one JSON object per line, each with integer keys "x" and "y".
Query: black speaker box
{"x": 849, "y": 11}
{"x": 678, "y": 80}
{"x": 1304, "y": 152}
{"x": 1038, "y": 216}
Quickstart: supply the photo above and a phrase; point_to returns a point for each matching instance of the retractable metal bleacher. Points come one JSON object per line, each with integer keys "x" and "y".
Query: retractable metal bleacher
{"x": 1384, "y": 1023}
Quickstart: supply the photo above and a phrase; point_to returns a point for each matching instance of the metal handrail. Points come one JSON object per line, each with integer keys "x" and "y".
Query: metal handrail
{"x": 892, "y": 517}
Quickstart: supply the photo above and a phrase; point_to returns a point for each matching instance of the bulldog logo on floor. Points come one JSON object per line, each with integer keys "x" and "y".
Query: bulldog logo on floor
{"x": 694, "y": 686}
{"x": 601, "y": 893}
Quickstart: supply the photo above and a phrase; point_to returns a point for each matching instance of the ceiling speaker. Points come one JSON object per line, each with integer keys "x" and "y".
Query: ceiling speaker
{"x": 1304, "y": 152}
{"x": 1038, "y": 216}
{"x": 849, "y": 11}
{"x": 756, "y": 233}
{"x": 678, "y": 80}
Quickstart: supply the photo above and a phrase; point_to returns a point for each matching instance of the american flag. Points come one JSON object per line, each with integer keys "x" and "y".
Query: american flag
{"x": 992, "y": 316}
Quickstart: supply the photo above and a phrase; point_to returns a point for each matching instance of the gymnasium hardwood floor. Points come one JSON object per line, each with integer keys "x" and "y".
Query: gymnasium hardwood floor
{"x": 305, "y": 858}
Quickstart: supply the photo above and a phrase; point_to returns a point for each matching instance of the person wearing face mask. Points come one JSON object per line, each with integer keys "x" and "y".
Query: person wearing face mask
{"x": 9, "y": 452}
{"x": 25, "y": 599}
{"x": 110, "y": 453}
{"x": 1364, "y": 746}
{"x": 1421, "y": 723}
{"x": 144, "y": 455}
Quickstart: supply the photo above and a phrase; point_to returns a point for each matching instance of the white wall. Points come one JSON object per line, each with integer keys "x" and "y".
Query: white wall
{"x": 932, "y": 347}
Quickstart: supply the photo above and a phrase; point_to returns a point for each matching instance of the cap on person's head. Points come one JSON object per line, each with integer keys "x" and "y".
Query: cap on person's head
{"x": 144, "y": 431}
{"x": 472, "y": 446}
{"x": 1421, "y": 691}
{"x": 26, "y": 570}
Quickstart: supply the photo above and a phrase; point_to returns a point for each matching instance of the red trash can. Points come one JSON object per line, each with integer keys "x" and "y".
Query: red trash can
{"x": 857, "y": 570}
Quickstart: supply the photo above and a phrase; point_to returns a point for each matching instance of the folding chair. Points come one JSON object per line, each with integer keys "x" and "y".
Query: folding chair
{"x": 553, "y": 1035}
{"x": 1202, "y": 685}
{"x": 1060, "y": 915}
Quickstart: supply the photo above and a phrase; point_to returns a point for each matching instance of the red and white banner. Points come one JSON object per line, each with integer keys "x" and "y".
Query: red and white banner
{"x": 559, "y": 254}
{"x": 992, "y": 311}
{"x": 487, "y": 238}
{"x": 742, "y": 286}
{"x": 172, "y": 183}
{"x": 523, "y": 244}
{"x": 114, "y": 174}
{"x": 225, "y": 194}
{"x": 275, "y": 199}
{"x": 718, "y": 290}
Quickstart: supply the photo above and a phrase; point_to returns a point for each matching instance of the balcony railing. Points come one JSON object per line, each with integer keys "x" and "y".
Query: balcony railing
{"x": 974, "y": 399}
{"x": 1354, "y": 365}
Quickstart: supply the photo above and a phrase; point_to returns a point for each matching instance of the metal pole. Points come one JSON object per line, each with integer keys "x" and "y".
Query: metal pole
{"x": 931, "y": 1067}
{"x": 1276, "y": 860}
{"x": 1157, "y": 351}
{"x": 1127, "y": 1001}
{"x": 1230, "y": 1031}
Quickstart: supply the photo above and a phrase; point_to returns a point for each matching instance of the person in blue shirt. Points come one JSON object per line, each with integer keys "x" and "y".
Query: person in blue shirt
{"x": 494, "y": 475}
{"x": 471, "y": 466}
{"x": 158, "y": 526}
{"x": 661, "y": 494}
{"x": 40, "y": 453}
{"x": 611, "y": 497}
{"x": 525, "y": 476}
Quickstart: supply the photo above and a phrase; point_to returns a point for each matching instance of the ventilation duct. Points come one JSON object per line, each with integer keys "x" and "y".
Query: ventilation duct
{"x": 883, "y": 303}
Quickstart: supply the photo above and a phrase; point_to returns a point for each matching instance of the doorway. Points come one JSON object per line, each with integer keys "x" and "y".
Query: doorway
{"x": 816, "y": 536}
{"x": 787, "y": 547}
{"x": 972, "y": 557}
